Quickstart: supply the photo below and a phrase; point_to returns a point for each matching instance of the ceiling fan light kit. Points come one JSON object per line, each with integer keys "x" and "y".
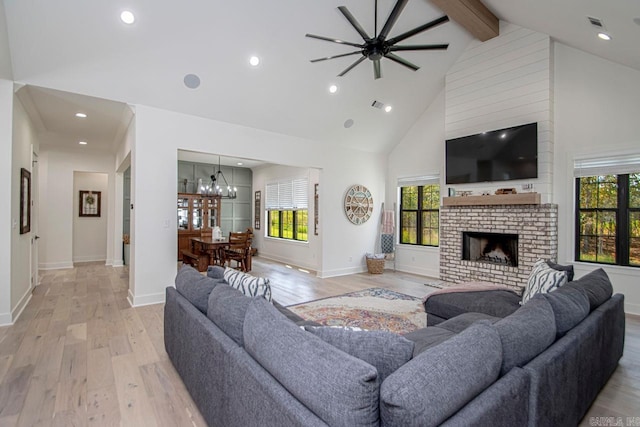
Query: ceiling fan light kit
{"x": 378, "y": 47}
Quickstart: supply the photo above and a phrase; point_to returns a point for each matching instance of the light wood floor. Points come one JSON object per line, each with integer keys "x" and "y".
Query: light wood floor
{"x": 79, "y": 355}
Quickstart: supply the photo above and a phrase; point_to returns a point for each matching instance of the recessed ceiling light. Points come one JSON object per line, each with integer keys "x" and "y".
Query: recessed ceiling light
{"x": 254, "y": 61}
{"x": 81, "y": 115}
{"x": 239, "y": 163}
{"x": 388, "y": 108}
{"x": 127, "y": 17}
{"x": 348, "y": 123}
{"x": 636, "y": 21}
{"x": 604, "y": 36}
{"x": 503, "y": 136}
{"x": 82, "y": 142}
{"x": 333, "y": 89}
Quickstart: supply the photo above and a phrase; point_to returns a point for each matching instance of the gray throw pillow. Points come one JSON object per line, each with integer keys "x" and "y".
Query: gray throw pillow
{"x": 195, "y": 287}
{"x": 386, "y": 351}
{"x": 568, "y": 269}
{"x": 227, "y": 308}
{"x": 215, "y": 272}
{"x": 597, "y": 286}
{"x": 570, "y": 306}
{"x": 340, "y": 389}
{"x": 526, "y": 333}
{"x": 439, "y": 381}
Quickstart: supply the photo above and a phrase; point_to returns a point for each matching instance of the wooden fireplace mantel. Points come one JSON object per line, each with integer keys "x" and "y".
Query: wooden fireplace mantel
{"x": 497, "y": 199}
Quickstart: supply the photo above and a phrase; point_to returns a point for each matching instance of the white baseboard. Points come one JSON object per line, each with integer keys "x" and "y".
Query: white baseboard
{"x": 55, "y": 265}
{"x": 429, "y": 272}
{"x": 89, "y": 258}
{"x": 5, "y": 319}
{"x": 341, "y": 272}
{"x": 141, "y": 300}
{"x": 118, "y": 263}
{"x": 22, "y": 304}
{"x": 287, "y": 261}
{"x": 632, "y": 308}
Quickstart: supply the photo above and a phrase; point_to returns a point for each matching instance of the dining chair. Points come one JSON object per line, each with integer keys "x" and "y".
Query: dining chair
{"x": 237, "y": 250}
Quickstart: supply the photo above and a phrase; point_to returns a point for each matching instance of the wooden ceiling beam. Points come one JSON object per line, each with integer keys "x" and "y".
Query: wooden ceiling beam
{"x": 472, "y": 15}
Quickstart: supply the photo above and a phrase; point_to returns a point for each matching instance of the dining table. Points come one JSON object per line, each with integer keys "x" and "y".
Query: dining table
{"x": 209, "y": 248}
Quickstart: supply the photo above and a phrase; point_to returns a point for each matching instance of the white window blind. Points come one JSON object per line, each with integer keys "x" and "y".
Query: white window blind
{"x": 607, "y": 166}
{"x": 287, "y": 195}
{"x": 418, "y": 180}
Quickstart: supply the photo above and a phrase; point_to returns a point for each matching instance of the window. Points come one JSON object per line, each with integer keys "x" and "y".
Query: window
{"x": 286, "y": 204}
{"x": 420, "y": 214}
{"x": 608, "y": 218}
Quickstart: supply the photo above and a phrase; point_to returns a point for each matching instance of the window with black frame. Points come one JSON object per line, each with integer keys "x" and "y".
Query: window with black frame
{"x": 287, "y": 209}
{"x": 420, "y": 214}
{"x": 608, "y": 218}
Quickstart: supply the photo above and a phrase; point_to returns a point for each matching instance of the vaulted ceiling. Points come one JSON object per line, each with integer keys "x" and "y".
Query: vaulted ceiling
{"x": 82, "y": 47}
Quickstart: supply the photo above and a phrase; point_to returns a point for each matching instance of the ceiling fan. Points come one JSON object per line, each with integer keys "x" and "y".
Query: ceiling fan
{"x": 378, "y": 46}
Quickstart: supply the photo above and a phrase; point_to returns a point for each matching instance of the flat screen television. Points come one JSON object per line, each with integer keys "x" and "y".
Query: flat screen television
{"x": 499, "y": 155}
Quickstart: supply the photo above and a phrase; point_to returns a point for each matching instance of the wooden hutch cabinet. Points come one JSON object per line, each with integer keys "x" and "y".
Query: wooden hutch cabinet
{"x": 197, "y": 215}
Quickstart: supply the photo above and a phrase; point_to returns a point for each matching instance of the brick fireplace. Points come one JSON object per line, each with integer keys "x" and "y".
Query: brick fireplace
{"x": 497, "y": 244}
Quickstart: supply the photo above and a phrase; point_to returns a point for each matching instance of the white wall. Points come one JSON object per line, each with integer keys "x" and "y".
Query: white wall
{"x": 420, "y": 153}
{"x": 160, "y": 133}
{"x": 57, "y": 203}
{"x": 90, "y": 233}
{"x": 597, "y": 113}
{"x": 24, "y": 138}
{"x": 7, "y": 181}
{"x": 504, "y": 82}
{"x": 301, "y": 254}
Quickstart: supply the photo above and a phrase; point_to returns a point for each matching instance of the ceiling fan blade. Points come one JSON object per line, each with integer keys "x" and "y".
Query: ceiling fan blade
{"x": 337, "y": 56}
{"x": 375, "y": 19}
{"x": 419, "y": 47}
{"x": 333, "y": 40}
{"x": 393, "y": 17}
{"x": 354, "y": 22}
{"x": 352, "y": 66}
{"x": 377, "y": 72}
{"x": 419, "y": 29}
{"x": 401, "y": 61}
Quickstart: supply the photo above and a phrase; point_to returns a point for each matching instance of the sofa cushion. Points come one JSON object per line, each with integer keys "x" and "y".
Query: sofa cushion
{"x": 526, "y": 333}
{"x": 438, "y": 382}
{"x": 570, "y": 306}
{"x": 386, "y": 351}
{"x": 195, "y": 287}
{"x": 215, "y": 272}
{"x": 247, "y": 284}
{"x": 227, "y": 309}
{"x": 339, "y": 388}
{"x": 460, "y": 323}
{"x": 496, "y": 303}
{"x": 568, "y": 269}
{"x": 428, "y": 337}
{"x": 597, "y": 285}
{"x": 542, "y": 279}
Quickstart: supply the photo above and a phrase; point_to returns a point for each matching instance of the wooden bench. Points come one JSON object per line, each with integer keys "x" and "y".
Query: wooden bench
{"x": 199, "y": 262}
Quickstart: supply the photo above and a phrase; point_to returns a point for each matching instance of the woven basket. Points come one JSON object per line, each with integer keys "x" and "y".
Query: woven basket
{"x": 375, "y": 266}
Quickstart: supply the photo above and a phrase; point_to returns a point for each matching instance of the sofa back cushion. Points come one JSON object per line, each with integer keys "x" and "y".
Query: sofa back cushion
{"x": 597, "y": 286}
{"x": 526, "y": 333}
{"x": 215, "y": 272}
{"x": 568, "y": 269}
{"x": 439, "y": 381}
{"x": 340, "y": 389}
{"x": 570, "y": 306}
{"x": 195, "y": 287}
{"x": 383, "y": 350}
{"x": 227, "y": 309}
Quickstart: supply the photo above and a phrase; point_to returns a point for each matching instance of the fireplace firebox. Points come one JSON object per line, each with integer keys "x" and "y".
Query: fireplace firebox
{"x": 492, "y": 248}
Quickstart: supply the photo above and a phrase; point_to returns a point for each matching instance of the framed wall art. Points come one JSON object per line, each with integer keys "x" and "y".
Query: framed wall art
{"x": 89, "y": 204}
{"x": 25, "y": 201}
{"x": 256, "y": 222}
{"x": 315, "y": 209}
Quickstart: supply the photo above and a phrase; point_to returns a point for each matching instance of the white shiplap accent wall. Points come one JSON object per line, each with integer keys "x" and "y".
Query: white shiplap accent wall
{"x": 504, "y": 82}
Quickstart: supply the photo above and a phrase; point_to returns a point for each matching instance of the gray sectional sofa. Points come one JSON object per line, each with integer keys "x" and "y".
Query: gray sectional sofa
{"x": 247, "y": 362}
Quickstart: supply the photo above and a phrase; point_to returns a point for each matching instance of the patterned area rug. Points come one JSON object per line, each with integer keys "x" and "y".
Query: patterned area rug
{"x": 372, "y": 309}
